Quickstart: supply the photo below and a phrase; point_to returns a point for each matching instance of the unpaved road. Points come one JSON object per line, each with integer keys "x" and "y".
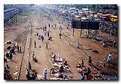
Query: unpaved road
{"x": 66, "y": 45}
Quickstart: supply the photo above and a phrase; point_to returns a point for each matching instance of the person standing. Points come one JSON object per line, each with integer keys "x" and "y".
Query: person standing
{"x": 29, "y": 66}
{"x": 7, "y": 54}
{"x": 67, "y": 27}
{"x": 52, "y": 56}
{"x": 33, "y": 55}
{"x": 39, "y": 37}
{"x": 45, "y": 33}
{"x": 58, "y": 56}
{"x": 114, "y": 43}
{"x": 45, "y": 74}
{"x": 20, "y": 49}
{"x": 7, "y": 68}
{"x": 109, "y": 59}
{"x": 52, "y": 26}
{"x": 48, "y": 34}
{"x": 90, "y": 60}
{"x": 12, "y": 50}
{"x": 45, "y": 28}
{"x": 60, "y": 35}
{"x": 42, "y": 37}
{"x": 61, "y": 69}
{"x": 49, "y": 25}
{"x": 82, "y": 64}
{"x": 78, "y": 44}
{"x": 37, "y": 33}
{"x": 46, "y": 45}
{"x": 82, "y": 76}
{"x": 55, "y": 25}
{"x": 65, "y": 77}
{"x": 87, "y": 73}
{"x": 35, "y": 44}
{"x": 11, "y": 55}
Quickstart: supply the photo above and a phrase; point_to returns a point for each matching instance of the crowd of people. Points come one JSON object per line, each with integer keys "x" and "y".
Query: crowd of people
{"x": 12, "y": 49}
{"x": 60, "y": 70}
{"x": 105, "y": 42}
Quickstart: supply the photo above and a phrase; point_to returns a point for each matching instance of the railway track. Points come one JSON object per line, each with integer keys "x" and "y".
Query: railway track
{"x": 69, "y": 47}
{"x": 20, "y": 68}
{"x": 65, "y": 39}
{"x": 22, "y": 58}
{"x": 72, "y": 47}
{"x": 21, "y": 62}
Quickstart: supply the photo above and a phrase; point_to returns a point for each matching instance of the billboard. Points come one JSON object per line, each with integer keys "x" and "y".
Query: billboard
{"x": 85, "y": 25}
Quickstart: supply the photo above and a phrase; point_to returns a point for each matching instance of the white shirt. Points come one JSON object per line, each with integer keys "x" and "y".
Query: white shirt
{"x": 109, "y": 57}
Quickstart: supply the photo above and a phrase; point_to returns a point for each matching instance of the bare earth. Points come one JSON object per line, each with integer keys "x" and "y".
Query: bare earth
{"x": 21, "y": 34}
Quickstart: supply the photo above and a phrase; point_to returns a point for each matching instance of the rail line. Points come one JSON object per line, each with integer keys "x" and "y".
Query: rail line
{"x": 20, "y": 68}
{"x": 64, "y": 38}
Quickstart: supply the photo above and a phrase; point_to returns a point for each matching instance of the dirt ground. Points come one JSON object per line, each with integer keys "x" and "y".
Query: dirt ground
{"x": 21, "y": 33}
